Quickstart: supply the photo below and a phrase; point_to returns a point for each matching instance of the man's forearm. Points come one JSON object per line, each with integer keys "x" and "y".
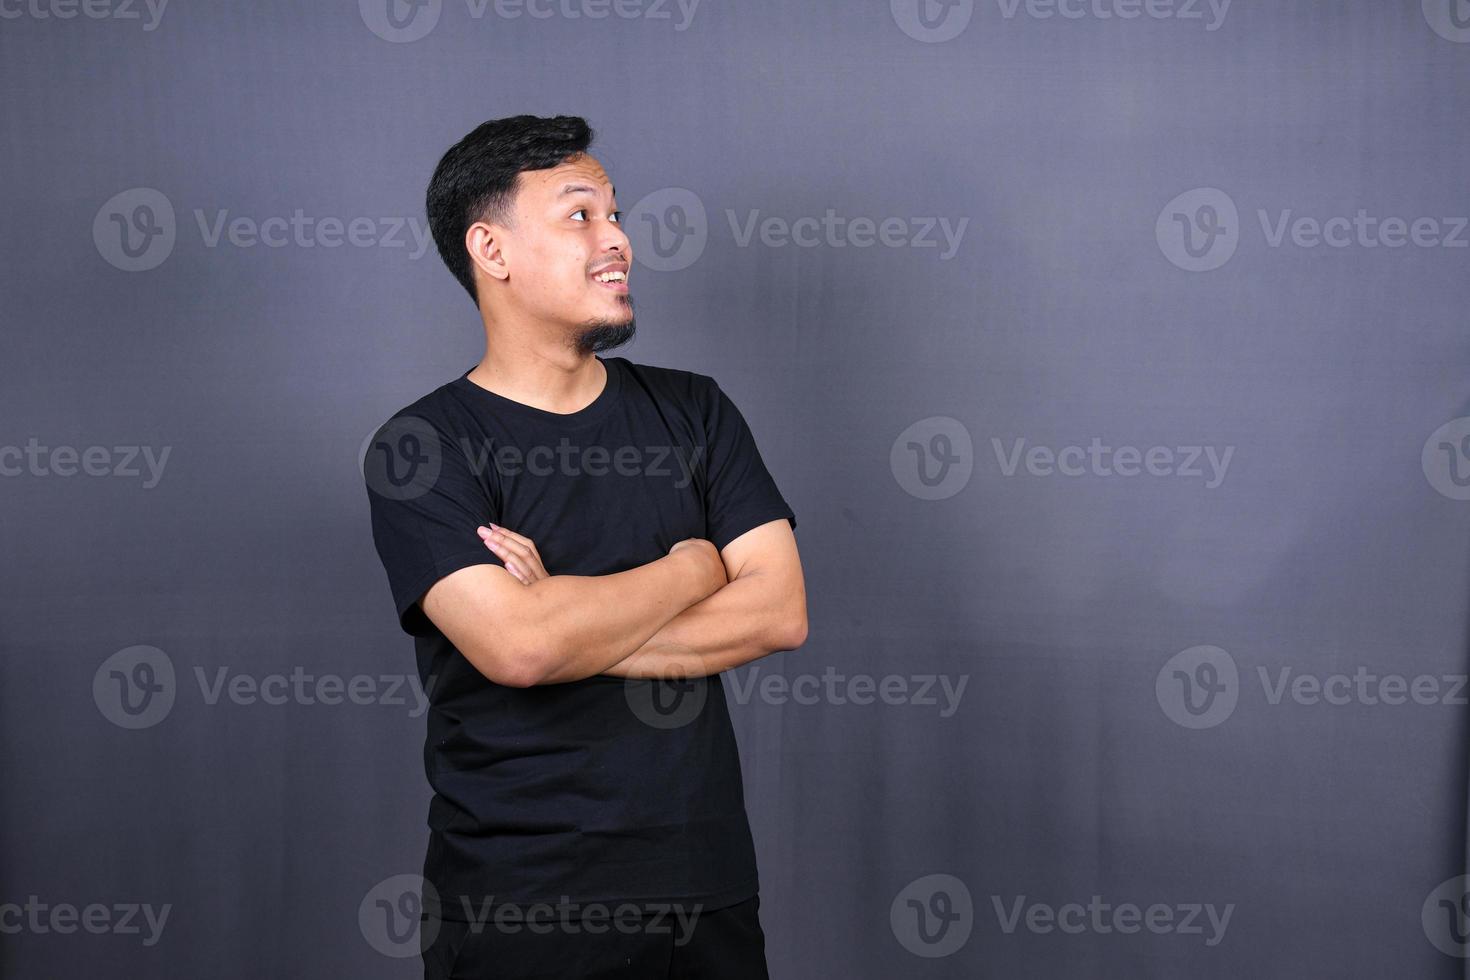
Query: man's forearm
{"x": 588, "y": 623}
{"x": 743, "y": 621}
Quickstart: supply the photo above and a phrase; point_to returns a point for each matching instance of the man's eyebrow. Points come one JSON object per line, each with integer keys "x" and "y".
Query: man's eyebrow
{"x": 583, "y": 189}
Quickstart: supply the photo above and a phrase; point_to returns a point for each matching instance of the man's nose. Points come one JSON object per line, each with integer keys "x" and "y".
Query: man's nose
{"x": 614, "y": 238}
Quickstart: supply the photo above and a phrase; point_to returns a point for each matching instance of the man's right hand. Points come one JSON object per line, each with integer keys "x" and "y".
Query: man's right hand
{"x": 706, "y": 560}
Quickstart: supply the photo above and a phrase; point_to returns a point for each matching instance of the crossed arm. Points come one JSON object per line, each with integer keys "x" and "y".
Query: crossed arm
{"x": 653, "y": 621}
{"x": 761, "y": 610}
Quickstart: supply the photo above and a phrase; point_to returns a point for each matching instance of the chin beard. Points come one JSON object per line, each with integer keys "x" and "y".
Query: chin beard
{"x": 603, "y": 334}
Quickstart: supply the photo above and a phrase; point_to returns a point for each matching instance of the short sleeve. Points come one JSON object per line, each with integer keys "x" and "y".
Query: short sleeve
{"x": 426, "y": 503}
{"x": 739, "y": 491}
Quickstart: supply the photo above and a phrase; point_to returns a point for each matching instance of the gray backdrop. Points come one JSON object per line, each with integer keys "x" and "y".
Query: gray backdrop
{"x": 1111, "y": 354}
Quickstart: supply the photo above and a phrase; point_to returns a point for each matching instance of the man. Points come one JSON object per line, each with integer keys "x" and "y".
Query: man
{"x": 579, "y": 546}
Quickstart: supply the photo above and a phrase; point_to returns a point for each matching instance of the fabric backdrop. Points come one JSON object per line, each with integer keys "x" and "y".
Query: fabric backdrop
{"x": 1112, "y": 354}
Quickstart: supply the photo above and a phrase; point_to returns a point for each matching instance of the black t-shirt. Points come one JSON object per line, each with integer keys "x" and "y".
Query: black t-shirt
{"x": 601, "y": 790}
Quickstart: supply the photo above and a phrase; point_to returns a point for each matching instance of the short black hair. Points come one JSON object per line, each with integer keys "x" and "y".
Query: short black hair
{"x": 476, "y": 179}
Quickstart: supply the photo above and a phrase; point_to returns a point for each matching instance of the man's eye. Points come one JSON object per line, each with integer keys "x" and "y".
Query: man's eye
{"x": 618, "y": 216}
{"x": 579, "y": 211}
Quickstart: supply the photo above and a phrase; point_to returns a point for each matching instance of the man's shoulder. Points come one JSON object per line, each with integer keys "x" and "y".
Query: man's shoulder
{"x": 432, "y": 419}
{"x": 675, "y": 382}
{"x": 431, "y": 405}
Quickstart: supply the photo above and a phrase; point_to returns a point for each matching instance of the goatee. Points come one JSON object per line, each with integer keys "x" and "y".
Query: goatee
{"x": 603, "y": 334}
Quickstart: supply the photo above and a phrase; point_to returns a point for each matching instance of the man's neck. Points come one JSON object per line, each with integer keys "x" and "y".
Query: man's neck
{"x": 552, "y": 378}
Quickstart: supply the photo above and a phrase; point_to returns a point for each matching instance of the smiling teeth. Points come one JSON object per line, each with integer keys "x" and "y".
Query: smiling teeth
{"x": 611, "y": 277}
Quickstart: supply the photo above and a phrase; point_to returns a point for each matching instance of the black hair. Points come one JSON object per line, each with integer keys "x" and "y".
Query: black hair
{"x": 476, "y": 179}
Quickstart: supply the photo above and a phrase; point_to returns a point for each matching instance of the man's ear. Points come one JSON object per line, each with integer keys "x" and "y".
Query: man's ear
{"x": 483, "y": 241}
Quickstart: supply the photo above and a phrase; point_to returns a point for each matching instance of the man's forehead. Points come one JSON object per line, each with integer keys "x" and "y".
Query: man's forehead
{"x": 582, "y": 176}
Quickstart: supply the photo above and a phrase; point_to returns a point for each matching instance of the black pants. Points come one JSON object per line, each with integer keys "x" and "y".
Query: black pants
{"x": 719, "y": 944}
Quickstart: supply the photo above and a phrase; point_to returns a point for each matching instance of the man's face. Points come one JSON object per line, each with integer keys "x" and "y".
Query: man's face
{"x": 567, "y": 237}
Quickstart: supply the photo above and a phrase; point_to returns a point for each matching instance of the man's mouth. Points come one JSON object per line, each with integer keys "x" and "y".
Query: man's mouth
{"x": 614, "y": 279}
